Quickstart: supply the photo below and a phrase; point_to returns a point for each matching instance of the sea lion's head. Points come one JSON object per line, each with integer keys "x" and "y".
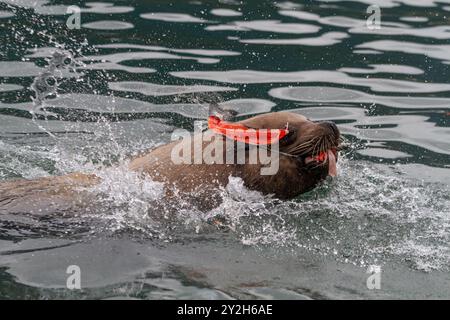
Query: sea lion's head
{"x": 307, "y": 155}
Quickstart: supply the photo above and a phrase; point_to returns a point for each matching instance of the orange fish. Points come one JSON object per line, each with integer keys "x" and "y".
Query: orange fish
{"x": 241, "y": 133}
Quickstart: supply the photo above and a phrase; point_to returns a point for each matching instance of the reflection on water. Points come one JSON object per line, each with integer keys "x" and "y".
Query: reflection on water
{"x": 335, "y": 77}
{"x": 108, "y": 25}
{"x": 142, "y": 70}
{"x": 439, "y": 52}
{"x": 172, "y": 17}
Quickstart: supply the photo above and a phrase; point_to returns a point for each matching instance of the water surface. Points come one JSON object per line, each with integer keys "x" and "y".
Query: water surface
{"x": 138, "y": 70}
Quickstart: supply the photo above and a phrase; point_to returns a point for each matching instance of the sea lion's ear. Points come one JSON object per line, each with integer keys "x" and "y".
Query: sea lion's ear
{"x": 289, "y": 138}
{"x": 222, "y": 113}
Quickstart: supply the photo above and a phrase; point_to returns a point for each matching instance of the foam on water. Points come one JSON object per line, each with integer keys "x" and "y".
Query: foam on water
{"x": 365, "y": 216}
{"x": 128, "y": 200}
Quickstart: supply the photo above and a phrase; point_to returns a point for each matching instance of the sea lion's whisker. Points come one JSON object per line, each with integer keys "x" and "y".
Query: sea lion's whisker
{"x": 326, "y": 144}
{"x": 311, "y": 147}
{"x": 309, "y": 142}
{"x": 319, "y": 146}
{"x": 330, "y": 143}
{"x": 302, "y": 147}
{"x": 316, "y": 145}
{"x": 322, "y": 146}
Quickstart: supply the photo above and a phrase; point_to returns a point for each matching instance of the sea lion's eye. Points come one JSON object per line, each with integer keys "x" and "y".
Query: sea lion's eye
{"x": 290, "y": 137}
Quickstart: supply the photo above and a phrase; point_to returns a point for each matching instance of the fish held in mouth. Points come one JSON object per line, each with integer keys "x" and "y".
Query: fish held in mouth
{"x": 323, "y": 157}
{"x": 332, "y": 169}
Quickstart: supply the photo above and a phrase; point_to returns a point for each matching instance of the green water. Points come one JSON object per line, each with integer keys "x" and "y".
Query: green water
{"x": 141, "y": 69}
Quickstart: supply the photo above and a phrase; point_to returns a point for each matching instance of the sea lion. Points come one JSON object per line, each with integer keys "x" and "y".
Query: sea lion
{"x": 302, "y": 159}
{"x": 298, "y": 169}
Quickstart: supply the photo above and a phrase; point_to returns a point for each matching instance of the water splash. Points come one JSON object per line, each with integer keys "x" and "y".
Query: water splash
{"x": 46, "y": 84}
{"x": 128, "y": 200}
{"x": 365, "y": 216}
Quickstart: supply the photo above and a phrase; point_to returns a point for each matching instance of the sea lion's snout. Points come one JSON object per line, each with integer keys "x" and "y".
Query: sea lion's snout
{"x": 332, "y": 128}
{"x": 323, "y": 151}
